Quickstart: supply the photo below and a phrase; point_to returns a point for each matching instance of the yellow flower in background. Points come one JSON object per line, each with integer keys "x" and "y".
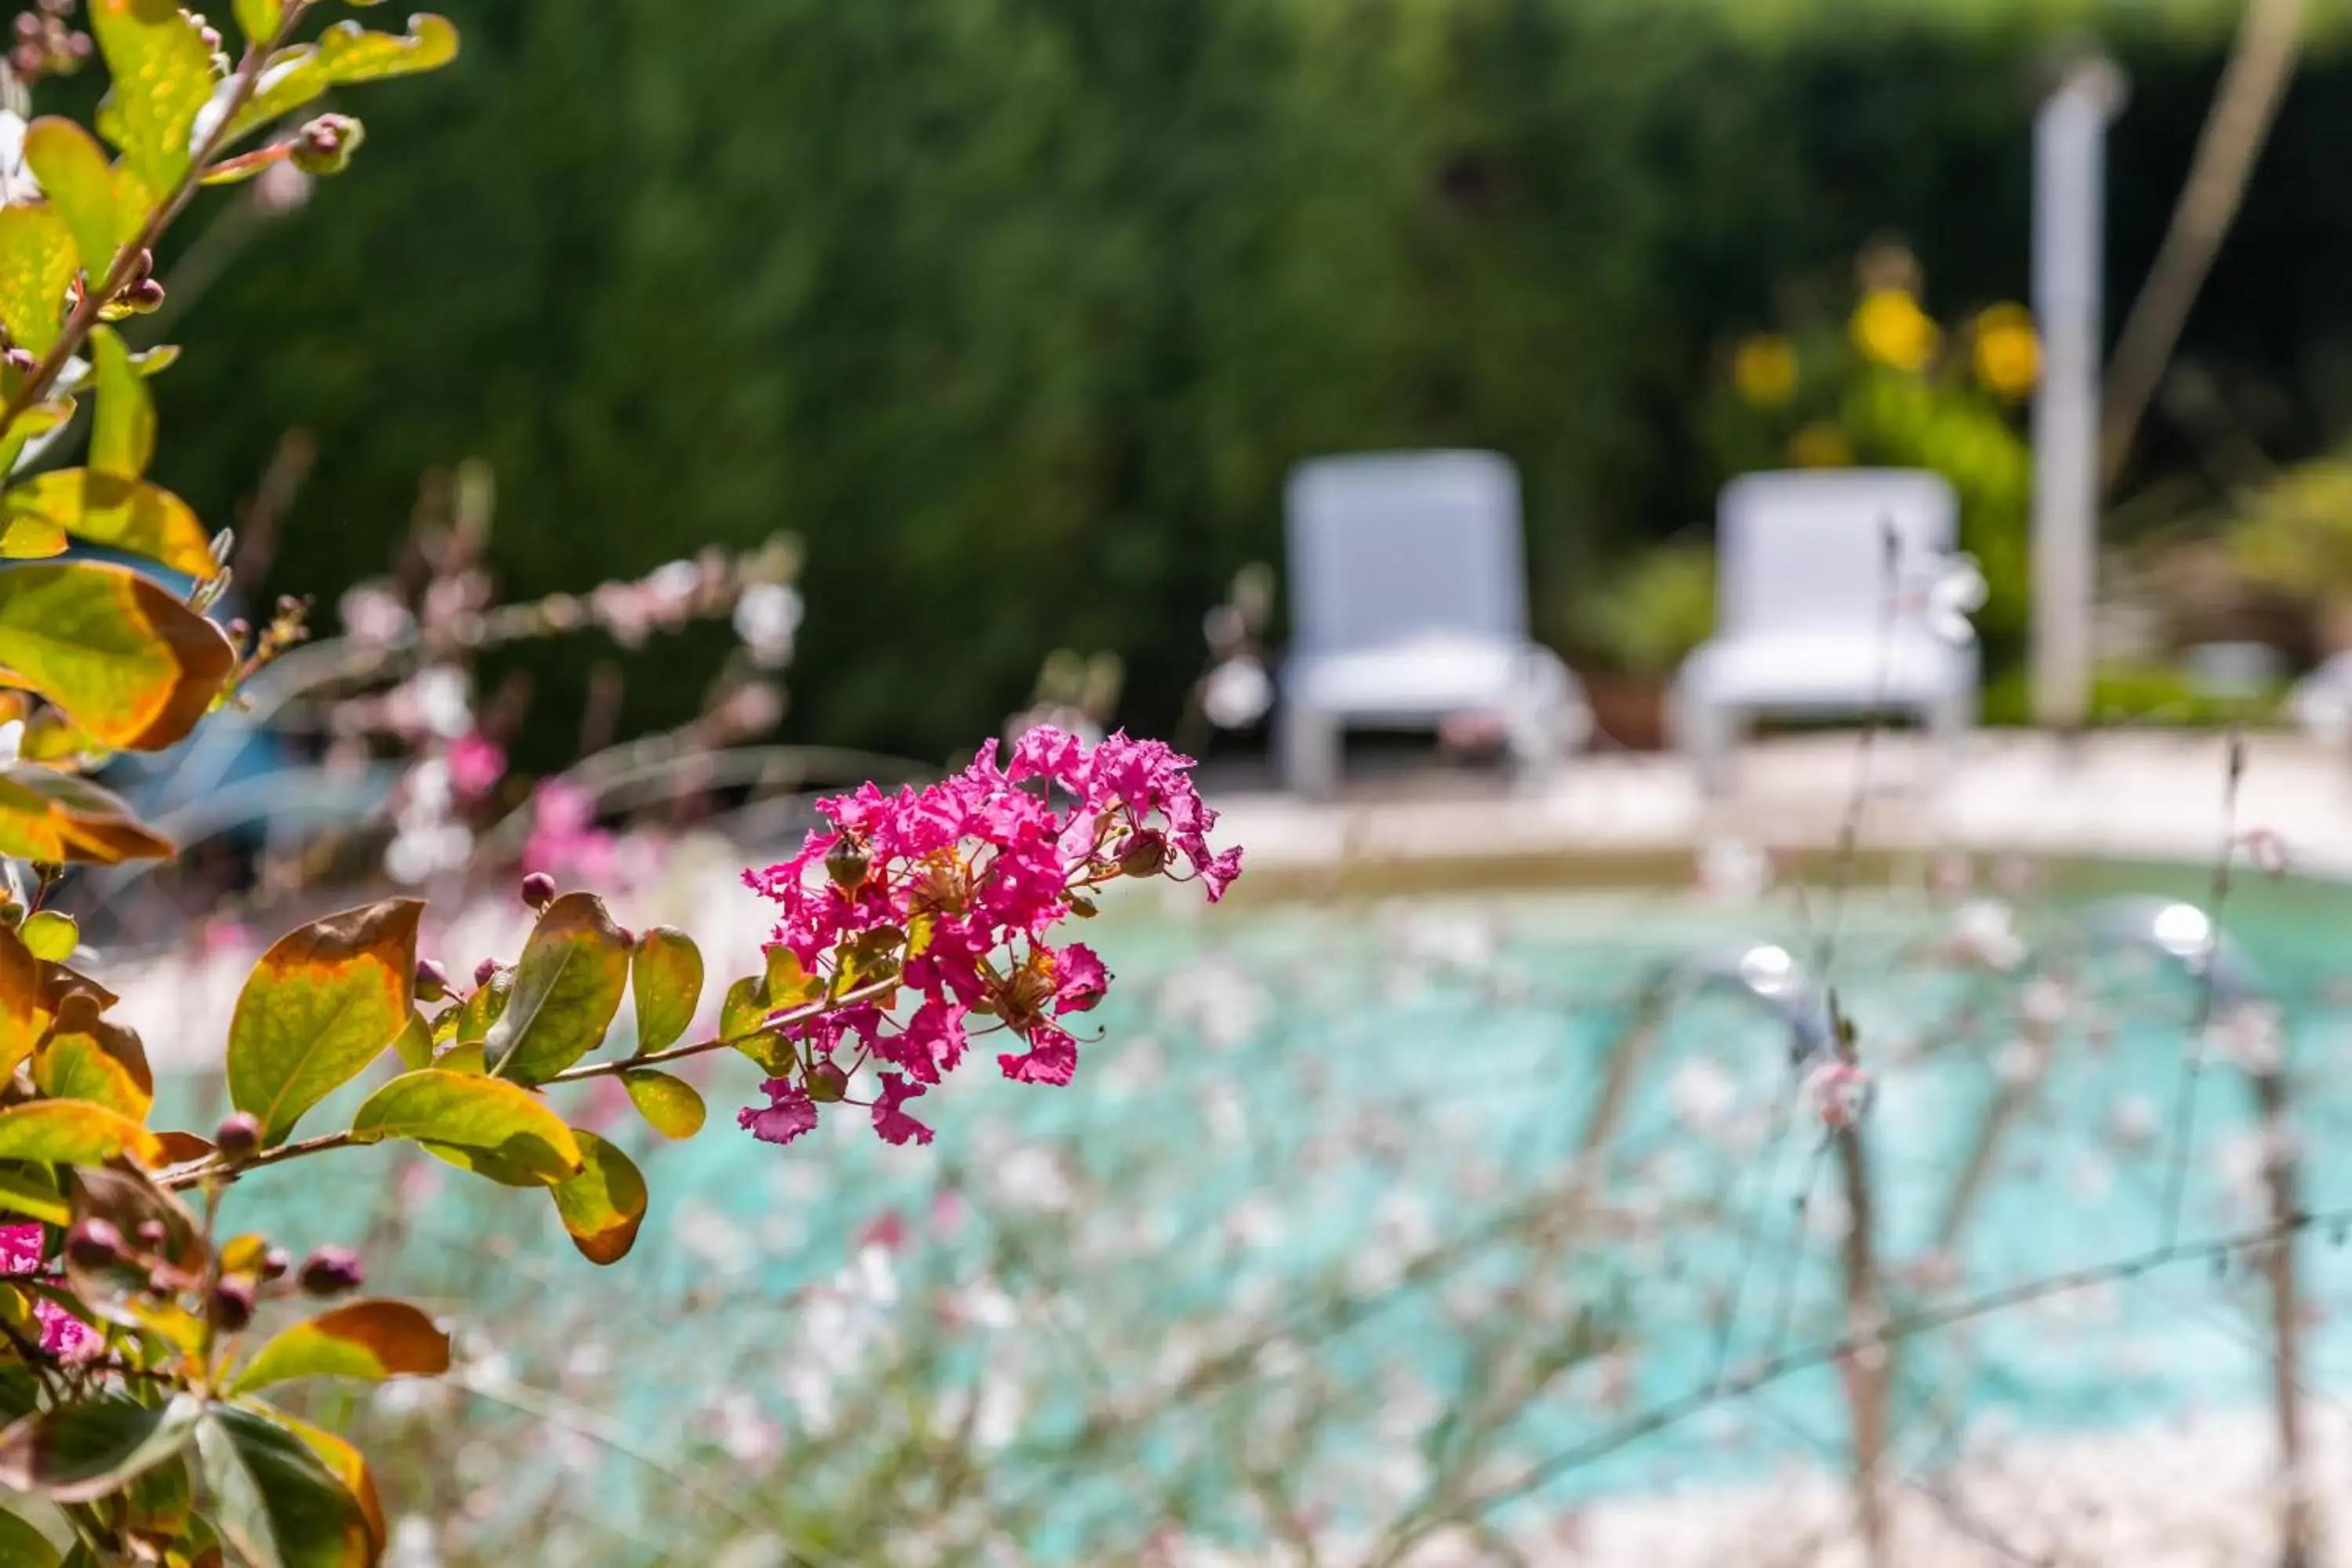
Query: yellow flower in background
{"x": 1889, "y": 326}
{"x": 1764, "y": 369}
{"x": 2008, "y": 355}
{"x": 1819, "y": 445}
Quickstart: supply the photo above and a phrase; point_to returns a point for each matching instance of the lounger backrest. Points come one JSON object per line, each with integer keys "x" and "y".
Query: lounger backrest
{"x": 1806, "y": 551}
{"x": 1392, "y": 547}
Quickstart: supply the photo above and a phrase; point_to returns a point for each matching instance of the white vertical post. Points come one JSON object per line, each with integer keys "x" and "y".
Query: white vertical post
{"x": 2069, "y": 215}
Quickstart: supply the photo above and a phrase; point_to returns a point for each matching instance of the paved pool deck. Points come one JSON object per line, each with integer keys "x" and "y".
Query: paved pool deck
{"x": 2140, "y": 794}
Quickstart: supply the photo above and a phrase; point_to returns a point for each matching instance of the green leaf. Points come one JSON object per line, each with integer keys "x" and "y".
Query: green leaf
{"x": 665, "y": 976}
{"x": 459, "y": 1111}
{"x": 568, "y": 984}
{"x": 345, "y": 52}
{"x": 129, "y": 664}
{"x": 122, "y": 434}
{"x": 260, "y": 20}
{"x": 485, "y": 1007}
{"x": 29, "y": 1191}
{"x": 324, "y": 1002}
{"x": 279, "y": 1504}
{"x": 110, "y": 509}
{"x": 740, "y": 1016}
{"x": 603, "y": 1204}
{"x": 22, "y": 1546}
{"x": 162, "y": 76}
{"x": 369, "y": 1341}
{"x": 669, "y": 1104}
{"x": 84, "y": 1451}
{"x": 48, "y": 816}
{"x": 342, "y": 1461}
{"x": 414, "y": 1044}
{"x": 72, "y": 1133}
{"x": 50, "y": 935}
{"x": 20, "y": 543}
{"x": 37, "y": 260}
{"x": 71, "y": 168}
{"x": 86, "y": 1058}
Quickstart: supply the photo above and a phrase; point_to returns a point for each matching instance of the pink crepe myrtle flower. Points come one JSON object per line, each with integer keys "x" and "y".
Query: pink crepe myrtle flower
{"x": 62, "y": 1333}
{"x": 950, "y": 893}
{"x": 477, "y": 763}
{"x": 564, "y": 838}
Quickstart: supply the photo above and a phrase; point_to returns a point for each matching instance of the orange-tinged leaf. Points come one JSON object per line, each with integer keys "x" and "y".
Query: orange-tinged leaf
{"x": 115, "y": 508}
{"x": 71, "y": 168}
{"x": 129, "y": 664}
{"x": 85, "y": 1057}
{"x": 369, "y": 1341}
{"x": 37, "y": 260}
{"x": 324, "y": 1001}
{"x": 23, "y": 1015}
{"x": 27, "y": 538}
{"x": 482, "y": 1115}
{"x": 73, "y": 1132}
{"x": 46, "y": 815}
{"x": 183, "y": 1148}
{"x": 51, "y": 935}
{"x": 602, "y": 1206}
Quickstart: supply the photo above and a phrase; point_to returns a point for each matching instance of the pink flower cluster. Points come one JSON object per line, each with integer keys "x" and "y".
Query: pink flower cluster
{"x": 62, "y": 1333}
{"x": 949, "y": 893}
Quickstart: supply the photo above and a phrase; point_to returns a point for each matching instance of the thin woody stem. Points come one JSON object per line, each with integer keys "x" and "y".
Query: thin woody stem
{"x": 126, "y": 258}
{"x": 212, "y": 1166}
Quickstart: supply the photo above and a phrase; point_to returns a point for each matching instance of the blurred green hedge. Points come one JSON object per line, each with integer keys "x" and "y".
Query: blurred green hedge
{"x": 1018, "y": 311}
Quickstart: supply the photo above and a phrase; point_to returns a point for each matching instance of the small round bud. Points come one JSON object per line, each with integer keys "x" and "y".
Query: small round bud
{"x": 538, "y": 889}
{"x": 330, "y": 1271}
{"x": 239, "y": 1135}
{"x": 847, "y": 865}
{"x": 144, "y": 296}
{"x": 23, "y": 360}
{"x": 325, "y": 146}
{"x": 233, "y": 1301}
{"x": 276, "y": 1264}
{"x": 485, "y": 972}
{"x": 1144, "y": 855}
{"x": 28, "y": 25}
{"x": 432, "y": 980}
{"x": 827, "y": 1083}
{"x": 94, "y": 1243}
{"x": 152, "y": 1233}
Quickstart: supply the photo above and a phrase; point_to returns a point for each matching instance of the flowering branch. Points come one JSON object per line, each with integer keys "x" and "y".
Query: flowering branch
{"x": 128, "y": 258}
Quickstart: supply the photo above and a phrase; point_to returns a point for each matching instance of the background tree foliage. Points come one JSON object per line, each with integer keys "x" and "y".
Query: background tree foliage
{"x": 1019, "y": 310}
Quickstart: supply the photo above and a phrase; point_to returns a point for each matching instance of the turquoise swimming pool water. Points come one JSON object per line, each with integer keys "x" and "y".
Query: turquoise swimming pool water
{"x": 1292, "y": 1216}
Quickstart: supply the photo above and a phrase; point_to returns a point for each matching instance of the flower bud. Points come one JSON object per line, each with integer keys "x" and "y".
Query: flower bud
{"x": 330, "y": 1271}
{"x": 432, "y": 980}
{"x": 144, "y": 296}
{"x": 152, "y": 1233}
{"x": 538, "y": 889}
{"x": 325, "y": 146}
{"x": 276, "y": 1264}
{"x": 1144, "y": 855}
{"x": 847, "y": 864}
{"x": 486, "y": 972}
{"x": 239, "y": 1135}
{"x": 827, "y": 1083}
{"x": 23, "y": 360}
{"x": 94, "y": 1243}
{"x": 233, "y": 1300}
